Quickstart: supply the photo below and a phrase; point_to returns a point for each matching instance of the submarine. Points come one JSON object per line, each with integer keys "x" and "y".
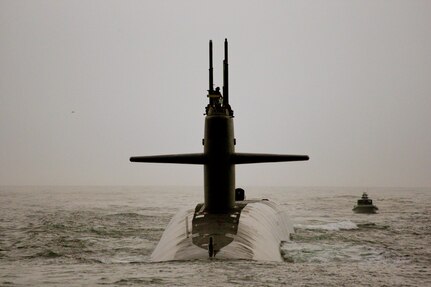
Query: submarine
{"x": 226, "y": 225}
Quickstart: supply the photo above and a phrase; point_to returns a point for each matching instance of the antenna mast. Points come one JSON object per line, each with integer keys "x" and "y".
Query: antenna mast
{"x": 225, "y": 76}
{"x": 211, "y": 82}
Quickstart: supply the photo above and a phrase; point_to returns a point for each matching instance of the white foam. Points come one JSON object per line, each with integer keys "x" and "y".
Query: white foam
{"x": 333, "y": 226}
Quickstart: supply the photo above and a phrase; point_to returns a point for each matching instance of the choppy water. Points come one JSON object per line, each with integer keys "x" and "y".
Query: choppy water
{"x": 77, "y": 236}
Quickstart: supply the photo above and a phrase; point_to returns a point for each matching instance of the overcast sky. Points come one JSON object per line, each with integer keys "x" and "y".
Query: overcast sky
{"x": 84, "y": 85}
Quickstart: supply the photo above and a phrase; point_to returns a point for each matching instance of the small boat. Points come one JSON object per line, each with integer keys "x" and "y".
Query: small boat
{"x": 365, "y": 205}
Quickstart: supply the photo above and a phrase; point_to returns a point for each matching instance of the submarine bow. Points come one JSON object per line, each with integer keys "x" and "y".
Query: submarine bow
{"x": 215, "y": 224}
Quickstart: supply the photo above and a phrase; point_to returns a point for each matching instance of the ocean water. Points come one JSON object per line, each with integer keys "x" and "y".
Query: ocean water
{"x": 86, "y": 236}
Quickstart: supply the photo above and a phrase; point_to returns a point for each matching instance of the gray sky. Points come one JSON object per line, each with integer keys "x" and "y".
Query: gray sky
{"x": 346, "y": 82}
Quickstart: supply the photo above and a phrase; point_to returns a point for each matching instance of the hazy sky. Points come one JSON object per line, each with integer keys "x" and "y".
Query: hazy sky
{"x": 84, "y": 85}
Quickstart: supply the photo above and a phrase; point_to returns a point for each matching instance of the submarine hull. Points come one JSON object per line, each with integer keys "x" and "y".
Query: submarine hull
{"x": 253, "y": 230}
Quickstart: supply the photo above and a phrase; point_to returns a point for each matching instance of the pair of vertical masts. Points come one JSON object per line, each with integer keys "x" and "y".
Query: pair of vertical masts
{"x": 225, "y": 73}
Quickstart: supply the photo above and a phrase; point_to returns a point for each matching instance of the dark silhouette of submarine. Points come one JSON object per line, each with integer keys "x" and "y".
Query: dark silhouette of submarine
{"x": 225, "y": 225}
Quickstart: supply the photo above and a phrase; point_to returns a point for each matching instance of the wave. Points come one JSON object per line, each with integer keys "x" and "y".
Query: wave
{"x": 372, "y": 225}
{"x": 46, "y": 254}
{"x": 139, "y": 281}
{"x": 333, "y": 226}
{"x": 129, "y": 215}
{"x": 336, "y": 251}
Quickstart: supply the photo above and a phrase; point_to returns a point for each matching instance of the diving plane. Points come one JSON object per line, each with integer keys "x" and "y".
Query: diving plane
{"x": 226, "y": 224}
